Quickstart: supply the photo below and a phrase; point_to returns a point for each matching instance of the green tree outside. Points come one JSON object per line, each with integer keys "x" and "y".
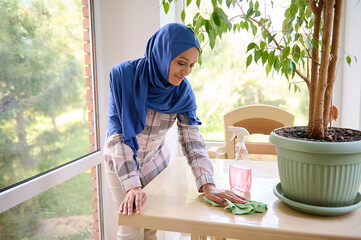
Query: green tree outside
{"x": 41, "y": 81}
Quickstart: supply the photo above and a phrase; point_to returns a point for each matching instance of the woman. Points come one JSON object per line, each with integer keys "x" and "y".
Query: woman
{"x": 146, "y": 98}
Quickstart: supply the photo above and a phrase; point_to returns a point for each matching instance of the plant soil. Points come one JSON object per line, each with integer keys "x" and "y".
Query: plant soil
{"x": 334, "y": 134}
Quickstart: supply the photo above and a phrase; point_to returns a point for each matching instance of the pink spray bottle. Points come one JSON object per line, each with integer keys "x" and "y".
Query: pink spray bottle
{"x": 240, "y": 172}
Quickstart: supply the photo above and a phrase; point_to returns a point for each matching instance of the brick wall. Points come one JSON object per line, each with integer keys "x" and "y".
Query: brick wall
{"x": 90, "y": 108}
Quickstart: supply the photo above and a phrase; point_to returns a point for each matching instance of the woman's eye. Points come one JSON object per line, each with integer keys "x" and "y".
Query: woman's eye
{"x": 181, "y": 63}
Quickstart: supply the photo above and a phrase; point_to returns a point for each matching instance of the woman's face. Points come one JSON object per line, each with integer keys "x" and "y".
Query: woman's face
{"x": 182, "y": 66}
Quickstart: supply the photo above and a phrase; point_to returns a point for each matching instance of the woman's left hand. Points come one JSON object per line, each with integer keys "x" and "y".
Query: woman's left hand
{"x": 217, "y": 195}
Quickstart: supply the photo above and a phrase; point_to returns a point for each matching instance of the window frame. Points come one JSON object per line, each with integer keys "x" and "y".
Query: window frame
{"x": 33, "y": 186}
{"x": 19, "y": 193}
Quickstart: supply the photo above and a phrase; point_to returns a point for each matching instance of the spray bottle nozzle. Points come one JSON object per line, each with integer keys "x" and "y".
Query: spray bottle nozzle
{"x": 240, "y": 132}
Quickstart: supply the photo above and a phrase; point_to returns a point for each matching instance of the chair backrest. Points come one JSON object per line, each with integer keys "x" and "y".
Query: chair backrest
{"x": 257, "y": 119}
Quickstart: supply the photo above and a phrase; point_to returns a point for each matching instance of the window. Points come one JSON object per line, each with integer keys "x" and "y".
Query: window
{"x": 63, "y": 212}
{"x": 48, "y": 131}
{"x": 43, "y": 116}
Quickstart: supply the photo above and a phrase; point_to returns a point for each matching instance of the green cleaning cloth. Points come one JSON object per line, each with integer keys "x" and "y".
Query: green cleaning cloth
{"x": 240, "y": 208}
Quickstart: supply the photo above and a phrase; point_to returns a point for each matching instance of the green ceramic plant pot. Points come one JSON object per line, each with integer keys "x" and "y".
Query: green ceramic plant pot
{"x": 318, "y": 173}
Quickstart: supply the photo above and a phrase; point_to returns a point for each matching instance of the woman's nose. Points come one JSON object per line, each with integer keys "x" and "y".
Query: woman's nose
{"x": 186, "y": 71}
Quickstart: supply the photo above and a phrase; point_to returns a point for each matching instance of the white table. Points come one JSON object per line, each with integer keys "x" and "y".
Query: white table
{"x": 174, "y": 204}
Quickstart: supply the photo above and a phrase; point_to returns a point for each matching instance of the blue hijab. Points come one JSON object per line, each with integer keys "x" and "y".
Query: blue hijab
{"x": 143, "y": 83}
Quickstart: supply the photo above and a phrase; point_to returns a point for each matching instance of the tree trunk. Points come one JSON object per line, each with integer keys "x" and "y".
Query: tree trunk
{"x": 317, "y": 118}
{"x": 317, "y": 11}
{"x": 333, "y": 64}
{"x": 23, "y": 147}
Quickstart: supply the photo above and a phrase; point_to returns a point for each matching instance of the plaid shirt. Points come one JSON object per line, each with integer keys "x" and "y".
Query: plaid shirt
{"x": 153, "y": 154}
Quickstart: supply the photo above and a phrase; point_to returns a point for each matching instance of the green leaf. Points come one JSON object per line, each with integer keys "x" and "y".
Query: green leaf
{"x": 249, "y": 12}
{"x": 257, "y": 55}
{"x": 292, "y": 69}
{"x": 251, "y": 46}
{"x": 224, "y": 17}
{"x": 303, "y": 53}
{"x": 166, "y": 7}
{"x": 297, "y": 36}
{"x": 308, "y": 12}
{"x": 285, "y": 25}
{"x": 183, "y": 15}
{"x": 188, "y": 2}
{"x": 285, "y": 68}
{"x": 270, "y": 37}
{"x": 211, "y": 34}
{"x": 201, "y": 37}
{"x": 254, "y": 29}
{"x": 271, "y": 57}
{"x": 295, "y": 88}
{"x": 276, "y": 64}
{"x": 264, "y": 57}
{"x": 230, "y": 2}
{"x": 297, "y": 27}
{"x": 348, "y": 60}
{"x": 264, "y": 34}
{"x": 296, "y": 53}
{"x": 200, "y": 22}
{"x": 315, "y": 43}
{"x": 246, "y": 26}
{"x": 249, "y": 60}
{"x": 214, "y": 3}
{"x": 287, "y": 12}
{"x": 268, "y": 68}
{"x": 212, "y": 41}
{"x": 242, "y": 25}
{"x": 195, "y": 18}
{"x": 235, "y": 27}
{"x": 200, "y": 60}
{"x": 207, "y": 25}
{"x": 262, "y": 45}
{"x": 198, "y": 3}
{"x": 311, "y": 23}
{"x": 285, "y": 52}
{"x": 256, "y": 5}
{"x": 216, "y": 19}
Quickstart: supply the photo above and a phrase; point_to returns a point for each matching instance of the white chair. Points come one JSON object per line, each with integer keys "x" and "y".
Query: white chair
{"x": 257, "y": 119}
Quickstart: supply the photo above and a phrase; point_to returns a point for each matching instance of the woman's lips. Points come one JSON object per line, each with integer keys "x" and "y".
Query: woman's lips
{"x": 179, "y": 78}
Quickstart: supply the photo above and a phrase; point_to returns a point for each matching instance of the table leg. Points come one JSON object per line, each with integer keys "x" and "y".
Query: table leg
{"x": 198, "y": 237}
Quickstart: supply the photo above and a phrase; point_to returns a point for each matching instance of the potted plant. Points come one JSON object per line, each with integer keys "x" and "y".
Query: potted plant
{"x": 307, "y": 47}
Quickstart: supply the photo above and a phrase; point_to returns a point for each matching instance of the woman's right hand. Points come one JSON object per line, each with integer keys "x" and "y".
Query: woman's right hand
{"x": 134, "y": 198}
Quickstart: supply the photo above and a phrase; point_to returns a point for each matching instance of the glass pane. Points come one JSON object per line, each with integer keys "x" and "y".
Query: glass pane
{"x": 63, "y": 212}
{"x": 43, "y": 92}
{"x": 223, "y": 74}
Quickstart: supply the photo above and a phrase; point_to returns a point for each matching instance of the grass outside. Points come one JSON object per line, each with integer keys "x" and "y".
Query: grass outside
{"x": 49, "y": 215}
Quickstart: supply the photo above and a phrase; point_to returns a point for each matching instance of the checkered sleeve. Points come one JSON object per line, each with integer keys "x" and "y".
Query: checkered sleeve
{"x": 194, "y": 149}
{"x": 119, "y": 158}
